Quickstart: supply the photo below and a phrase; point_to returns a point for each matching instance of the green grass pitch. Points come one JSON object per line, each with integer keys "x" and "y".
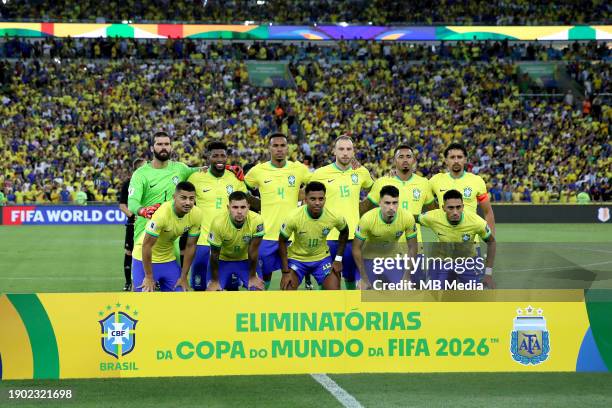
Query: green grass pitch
{"x": 90, "y": 259}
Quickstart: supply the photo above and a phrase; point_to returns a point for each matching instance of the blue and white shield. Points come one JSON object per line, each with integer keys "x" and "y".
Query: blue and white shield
{"x": 530, "y": 341}
{"x": 118, "y": 334}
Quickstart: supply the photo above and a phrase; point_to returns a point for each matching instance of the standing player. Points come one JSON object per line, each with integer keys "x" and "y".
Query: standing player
{"x": 456, "y": 230}
{"x": 154, "y": 182}
{"x": 278, "y": 181}
{"x": 212, "y": 190}
{"x": 344, "y": 184}
{"x": 382, "y": 228}
{"x": 154, "y": 255}
{"x": 129, "y": 228}
{"x": 234, "y": 240}
{"x": 470, "y": 185}
{"x": 309, "y": 253}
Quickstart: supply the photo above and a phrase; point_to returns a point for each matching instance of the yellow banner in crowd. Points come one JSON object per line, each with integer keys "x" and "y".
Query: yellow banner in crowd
{"x": 199, "y": 334}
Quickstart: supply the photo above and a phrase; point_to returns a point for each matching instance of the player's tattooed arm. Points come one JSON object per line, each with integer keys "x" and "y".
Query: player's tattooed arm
{"x": 487, "y": 212}
{"x": 342, "y": 239}
{"x": 491, "y": 249}
{"x": 148, "y": 283}
{"x": 254, "y": 281}
{"x": 254, "y": 202}
{"x": 358, "y": 258}
{"x": 214, "y": 268}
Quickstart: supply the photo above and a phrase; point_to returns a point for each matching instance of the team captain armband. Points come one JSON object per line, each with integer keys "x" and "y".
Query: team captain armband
{"x": 483, "y": 197}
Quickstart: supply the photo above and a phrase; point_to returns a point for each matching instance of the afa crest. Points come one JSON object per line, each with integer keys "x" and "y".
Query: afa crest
{"x": 355, "y": 178}
{"x": 118, "y": 333}
{"x": 530, "y": 340}
{"x": 291, "y": 180}
{"x": 416, "y": 194}
{"x": 229, "y": 188}
{"x": 175, "y": 180}
{"x": 467, "y": 192}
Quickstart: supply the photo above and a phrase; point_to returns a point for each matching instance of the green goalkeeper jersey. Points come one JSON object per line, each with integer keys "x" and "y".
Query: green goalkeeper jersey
{"x": 150, "y": 186}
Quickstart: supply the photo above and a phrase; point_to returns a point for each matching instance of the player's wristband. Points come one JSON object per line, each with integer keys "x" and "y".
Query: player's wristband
{"x": 286, "y": 271}
{"x": 338, "y": 258}
{"x": 488, "y": 271}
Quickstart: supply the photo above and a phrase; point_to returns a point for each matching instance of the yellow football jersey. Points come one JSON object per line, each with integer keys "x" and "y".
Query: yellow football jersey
{"x": 343, "y": 192}
{"x": 279, "y": 189}
{"x": 471, "y": 186}
{"x": 233, "y": 241}
{"x": 464, "y": 233}
{"x": 212, "y": 196}
{"x": 309, "y": 235}
{"x": 167, "y": 227}
{"x": 414, "y": 194}
{"x": 373, "y": 228}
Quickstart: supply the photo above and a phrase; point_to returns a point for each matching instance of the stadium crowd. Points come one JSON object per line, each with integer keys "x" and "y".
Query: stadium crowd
{"x": 492, "y": 12}
{"x": 72, "y": 126}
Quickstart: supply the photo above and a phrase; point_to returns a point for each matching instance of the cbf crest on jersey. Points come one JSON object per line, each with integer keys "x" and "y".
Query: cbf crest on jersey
{"x": 291, "y": 180}
{"x": 355, "y": 178}
{"x": 467, "y": 192}
{"x": 118, "y": 333}
{"x": 229, "y": 188}
{"x": 416, "y": 194}
{"x": 175, "y": 180}
{"x": 325, "y": 231}
{"x": 530, "y": 341}
{"x": 465, "y": 237}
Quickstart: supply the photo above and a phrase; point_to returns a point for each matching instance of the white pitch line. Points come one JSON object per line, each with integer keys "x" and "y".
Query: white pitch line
{"x": 346, "y": 399}
{"x": 75, "y": 278}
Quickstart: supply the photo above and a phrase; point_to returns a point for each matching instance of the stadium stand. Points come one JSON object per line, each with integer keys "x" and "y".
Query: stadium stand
{"x": 379, "y": 94}
{"x": 493, "y": 12}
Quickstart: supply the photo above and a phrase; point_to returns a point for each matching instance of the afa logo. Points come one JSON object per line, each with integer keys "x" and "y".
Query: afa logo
{"x": 465, "y": 237}
{"x": 291, "y": 181}
{"x": 175, "y": 180}
{"x": 467, "y": 192}
{"x": 118, "y": 332}
{"x": 229, "y": 188}
{"x": 530, "y": 340}
{"x": 355, "y": 178}
{"x": 416, "y": 194}
{"x": 603, "y": 214}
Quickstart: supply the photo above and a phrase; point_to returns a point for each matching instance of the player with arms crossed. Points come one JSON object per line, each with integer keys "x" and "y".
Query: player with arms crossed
{"x": 456, "y": 230}
{"x": 344, "y": 184}
{"x": 154, "y": 257}
{"x": 309, "y": 226}
{"x": 212, "y": 190}
{"x": 234, "y": 240}
{"x": 383, "y": 228}
{"x": 278, "y": 182}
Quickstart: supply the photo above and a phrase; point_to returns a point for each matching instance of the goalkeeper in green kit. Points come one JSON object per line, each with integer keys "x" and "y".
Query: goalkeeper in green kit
{"x": 154, "y": 183}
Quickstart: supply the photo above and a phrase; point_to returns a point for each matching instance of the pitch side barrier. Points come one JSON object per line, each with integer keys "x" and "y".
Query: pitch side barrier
{"x": 102, "y": 335}
{"x": 37, "y": 214}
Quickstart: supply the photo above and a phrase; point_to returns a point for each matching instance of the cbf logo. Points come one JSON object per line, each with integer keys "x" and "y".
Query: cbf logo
{"x": 465, "y": 237}
{"x": 175, "y": 180}
{"x": 291, "y": 181}
{"x": 325, "y": 231}
{"x": 118, "y": 331}
{"x": 355, "y": 178}
{"x": 416, "y": 194}
{"x": 467, "y": 192}
{"x": 530, "y": 343}
{"x": 229, "y": 188}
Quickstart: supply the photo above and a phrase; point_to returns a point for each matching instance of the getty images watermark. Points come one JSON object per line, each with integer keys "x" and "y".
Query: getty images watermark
{"x": 403, "y": 272}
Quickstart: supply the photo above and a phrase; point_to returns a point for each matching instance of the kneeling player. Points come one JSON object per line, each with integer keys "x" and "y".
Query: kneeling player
{"x": 309, "y": 254}
{"x": 154, "y": 255}
{"x": 456, "y": 230}
{"x": 383, "y": 228}
{"x": 234, "y": 240}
